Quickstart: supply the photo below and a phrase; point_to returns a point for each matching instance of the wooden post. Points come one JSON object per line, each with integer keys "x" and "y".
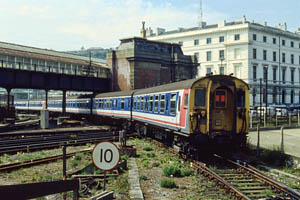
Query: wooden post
{"x": 64, "y": 169}
{"x": 258, "y": 142}
{"x": 282, "y": 142}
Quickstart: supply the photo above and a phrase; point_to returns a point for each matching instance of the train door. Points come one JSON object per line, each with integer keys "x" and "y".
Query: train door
{"x": 222, "y": 110}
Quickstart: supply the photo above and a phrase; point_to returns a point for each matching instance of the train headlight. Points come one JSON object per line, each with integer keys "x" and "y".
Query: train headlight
{"x": 218, "y": 122}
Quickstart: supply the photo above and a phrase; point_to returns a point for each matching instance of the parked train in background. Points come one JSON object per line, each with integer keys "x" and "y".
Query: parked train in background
{"x": 187, "y": 114}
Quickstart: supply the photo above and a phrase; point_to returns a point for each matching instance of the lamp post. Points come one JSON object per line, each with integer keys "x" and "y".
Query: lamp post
{"x": 266, "y": 93}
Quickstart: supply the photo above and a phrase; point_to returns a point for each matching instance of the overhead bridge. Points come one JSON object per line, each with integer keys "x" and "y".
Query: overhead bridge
{"x": 25, "y": 67}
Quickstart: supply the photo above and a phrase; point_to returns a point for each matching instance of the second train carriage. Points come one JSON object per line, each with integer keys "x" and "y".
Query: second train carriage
{"x": 212, "y": 108}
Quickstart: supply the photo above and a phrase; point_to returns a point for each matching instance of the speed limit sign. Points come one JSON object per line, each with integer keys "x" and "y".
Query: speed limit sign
{"x": 106, "y": 156}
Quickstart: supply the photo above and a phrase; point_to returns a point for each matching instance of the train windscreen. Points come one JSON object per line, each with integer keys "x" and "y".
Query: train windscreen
{"x": 200, "y": 95}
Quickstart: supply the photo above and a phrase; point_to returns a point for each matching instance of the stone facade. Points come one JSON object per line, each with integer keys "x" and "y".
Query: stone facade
{"x": 248, "y": 50}
{"x": 140, "y": 63}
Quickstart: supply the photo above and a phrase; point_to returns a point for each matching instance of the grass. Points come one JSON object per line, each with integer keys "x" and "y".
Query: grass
{"x": 168, "y": 183}
{"x": 143, "y": 177}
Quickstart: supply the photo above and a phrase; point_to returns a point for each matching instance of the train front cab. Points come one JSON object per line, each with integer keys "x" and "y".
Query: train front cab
{"x": 220, "y": 110}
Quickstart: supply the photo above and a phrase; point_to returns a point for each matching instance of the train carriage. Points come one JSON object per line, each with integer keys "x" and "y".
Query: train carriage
{"x": 210, "y": 109}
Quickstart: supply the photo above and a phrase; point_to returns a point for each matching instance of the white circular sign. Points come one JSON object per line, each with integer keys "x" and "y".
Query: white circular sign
{"x": 106, "y": 156}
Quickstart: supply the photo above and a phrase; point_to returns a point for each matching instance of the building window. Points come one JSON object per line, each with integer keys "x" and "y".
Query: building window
{"x": 196, "y": 55}
{"x": 265, "y": 73}
{"x": 274, "y": 74}
{"x": 299, "y": 62}
{"x": 208, "y": 56}
{"x": 274, "y": 56}
{"x": 221, "y": 70}
{"x": 265, "y": 38}
{"x": 292, "y": 75}
{"x": 265, "y": 54}
{"x": 274, "y": 95}
{"x": 208, "y": 40}
{"x": 196, "y": 42}
{"x": 237, "y": 70}
{"x": 292, "y": 96}
{"x": 180, "y": 43}
{"x": 292, "y": 58}
{"x": 221, "y": 55}
{"x": 299, "y": 45}
{"x": 254, "y": 53}
{"x": 208, "y": 70}
{"x": 254, "y": 36}
{"x": 283, "y": 42}
{"x": 283, "y": 75}
{"x": 237, "y": 53}
{"x": 283, "y": 57}
{"x": 292, "y": 44}
{"x": 274, "y": 40}
{"x": 254, "y": 72}
{"x": 283, "y": 96}
{"x": 237, "y": 37}
{"x": 221, "y": 39}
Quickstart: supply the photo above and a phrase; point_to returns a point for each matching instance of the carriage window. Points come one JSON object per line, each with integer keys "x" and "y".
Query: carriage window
{"x": 151, "y": 104}
{"x": 134, "y": 103}
{"x": 156, "y": 104}
{"x": 220, "y": 98}
{"x": 241, "y": 98}
{"x": 167, "y": 104}
{"x": 146, "y": 103}
{"x": 179, "y": 103}
{"x": 128, "y": 103}
{"x": 122, "y": 104}
{"x": 200, "y": 95}
{"x": 173, "y": 104}
{"x": 186, "y": 99}
{"x": 162, "y": 103}
{"x": 142, "y": 104}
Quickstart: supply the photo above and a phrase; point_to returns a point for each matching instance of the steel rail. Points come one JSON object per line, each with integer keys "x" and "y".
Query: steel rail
{"x": 201, "y": 167}
{"x": 28, "y": 163}
{"x": 263, "y": 177}
{"x": 57, "y": 143}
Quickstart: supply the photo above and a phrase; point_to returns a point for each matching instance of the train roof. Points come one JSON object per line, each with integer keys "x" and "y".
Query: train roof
{"x": 166, "y": 87}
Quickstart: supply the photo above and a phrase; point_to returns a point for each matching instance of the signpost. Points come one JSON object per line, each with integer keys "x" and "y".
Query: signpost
{"x": 106, "y": 156}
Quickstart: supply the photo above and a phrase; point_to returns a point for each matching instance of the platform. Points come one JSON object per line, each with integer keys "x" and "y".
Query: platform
{"x": 271, "y": 139}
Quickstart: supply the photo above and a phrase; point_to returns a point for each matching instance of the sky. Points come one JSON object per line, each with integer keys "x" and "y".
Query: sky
{"x": 71, "y": 24}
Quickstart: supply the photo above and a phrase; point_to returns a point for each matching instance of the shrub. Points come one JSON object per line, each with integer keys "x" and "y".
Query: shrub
{"x": 147, "y": 148}
{"x": 171, "y": 170}
{"x": 168, "y": 183}
{"x": 186, "y": 172}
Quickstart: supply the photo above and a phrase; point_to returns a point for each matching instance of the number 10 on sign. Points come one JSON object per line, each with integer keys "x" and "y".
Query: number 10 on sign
{"x": 106, "y": 156}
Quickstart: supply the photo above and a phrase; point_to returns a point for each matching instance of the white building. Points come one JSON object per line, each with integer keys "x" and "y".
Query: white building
{"x": 251, "y": 51}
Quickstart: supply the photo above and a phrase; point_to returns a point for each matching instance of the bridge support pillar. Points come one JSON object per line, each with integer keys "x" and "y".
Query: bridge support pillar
{"x": 46, "y": 100}
{"x": 64, "y": 102}
{"x": 8, "y": 98}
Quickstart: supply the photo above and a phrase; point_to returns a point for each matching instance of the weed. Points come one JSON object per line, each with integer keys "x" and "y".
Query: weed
{"x": 147, "y": 148}
{"x": 186, "y": 172}
{"x": 143, "y": 177}
{"x": 155, "y": 164}
{"x": 121, "y": 184}
{"x": 171, "y": 170}
{"x": 168, "y": 183}
{"x": 151, "y": 155}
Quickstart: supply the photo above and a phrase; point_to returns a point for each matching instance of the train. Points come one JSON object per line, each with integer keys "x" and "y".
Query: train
{"x": 213, "y": 109}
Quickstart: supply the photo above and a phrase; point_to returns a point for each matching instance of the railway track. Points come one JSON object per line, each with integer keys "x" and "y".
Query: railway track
{"x": 54, "y": 141}
{"x": 240, "y": 179}
{"x": 29, "y": 163}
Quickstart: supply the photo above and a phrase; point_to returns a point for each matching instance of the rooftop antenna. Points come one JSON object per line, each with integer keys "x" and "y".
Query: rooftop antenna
{"x": 200, "y": 16}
